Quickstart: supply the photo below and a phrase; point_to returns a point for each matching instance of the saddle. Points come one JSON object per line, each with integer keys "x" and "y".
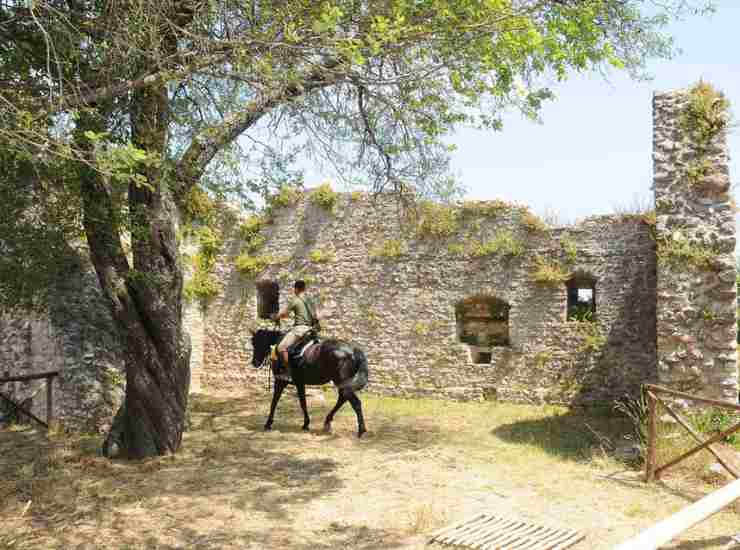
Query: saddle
{"x": 306, "y": 351}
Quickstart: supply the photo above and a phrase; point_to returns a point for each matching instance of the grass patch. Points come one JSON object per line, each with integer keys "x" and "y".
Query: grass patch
{"x": 486, "y": 209}
{"x": 429, "y": 450}
{"x": 436, "y": 220}
{"x": 322, "y": 256}
{"x": 569, "y": 247}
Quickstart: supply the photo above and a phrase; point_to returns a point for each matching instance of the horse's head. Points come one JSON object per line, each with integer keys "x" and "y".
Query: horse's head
{"x": 261, "y": 342}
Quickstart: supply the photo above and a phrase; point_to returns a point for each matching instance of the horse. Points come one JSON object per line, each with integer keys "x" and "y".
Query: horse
{"x": 336, "y": 361}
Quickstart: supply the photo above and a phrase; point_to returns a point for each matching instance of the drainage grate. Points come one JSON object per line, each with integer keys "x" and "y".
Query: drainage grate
{"x": 488, "y": 532}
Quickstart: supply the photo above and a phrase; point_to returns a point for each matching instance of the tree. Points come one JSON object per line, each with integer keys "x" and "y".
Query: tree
{"x": 112, "y": 113}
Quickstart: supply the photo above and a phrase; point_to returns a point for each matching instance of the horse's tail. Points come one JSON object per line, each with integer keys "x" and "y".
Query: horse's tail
{"x": 359, "y": 380}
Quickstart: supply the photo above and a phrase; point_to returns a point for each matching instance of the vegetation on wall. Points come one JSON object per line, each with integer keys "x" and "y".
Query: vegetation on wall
{"x": 705, "y": 116}
{"x": 322, "y": 256}
{"x": 203, "y": 285}
{"x": 594, "y": 339}
{"x": 286, "y": 196}
{"x": 436, "y": 220}
{"x": 678, "y": 251}
{"x": 568, "y": 245}
{"x": 487, "y": 209}
{"x": 324, "y": 196}
{"x": 504, "y": 243}
{"x": 390, "y": 248}
{"x": 531, "y": 221}
{"x": 549, "y": 272}
{"x": 251, "y": 266}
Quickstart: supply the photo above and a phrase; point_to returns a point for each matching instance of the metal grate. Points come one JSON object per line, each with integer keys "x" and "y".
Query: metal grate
{"x": 488, "y": 532}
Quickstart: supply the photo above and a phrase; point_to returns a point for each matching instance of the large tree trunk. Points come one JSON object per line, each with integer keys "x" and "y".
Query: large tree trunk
{"x": 146, "y": 297}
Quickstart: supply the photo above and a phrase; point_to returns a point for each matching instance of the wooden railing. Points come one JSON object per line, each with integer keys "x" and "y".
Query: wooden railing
{"x": 668, "y": 529}
{"x": 652, "y": 470}
{"x": 49, "y": 376}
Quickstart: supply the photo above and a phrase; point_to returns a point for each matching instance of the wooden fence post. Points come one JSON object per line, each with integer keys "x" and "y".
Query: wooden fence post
{"x": 652, "y": 437}
{"x": 49, "y": 401}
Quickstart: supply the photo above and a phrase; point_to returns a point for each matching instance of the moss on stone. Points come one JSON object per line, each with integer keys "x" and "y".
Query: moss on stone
{"x": 391, "y": 248}
{"x": 549, "y": 273}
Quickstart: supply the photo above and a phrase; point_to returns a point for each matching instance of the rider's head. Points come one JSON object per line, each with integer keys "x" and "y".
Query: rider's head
{"x": 299, "y": 287}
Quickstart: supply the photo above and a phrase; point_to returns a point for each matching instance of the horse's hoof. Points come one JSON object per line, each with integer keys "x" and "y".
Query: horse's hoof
{"x": 361, "y": 433}
{"x": 327, "y": 428}
{"x": 268, "y": 427}
{"x": 305, "y": 428}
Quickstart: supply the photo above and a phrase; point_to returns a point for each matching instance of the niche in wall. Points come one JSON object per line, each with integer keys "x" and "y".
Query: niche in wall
{"x": 482, "y": 323}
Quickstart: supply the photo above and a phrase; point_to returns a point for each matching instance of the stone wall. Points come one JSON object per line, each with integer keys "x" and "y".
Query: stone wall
{"x": 696, "y": 290}
{"x": 76, "y": 337}
{"x": 401, "y": 309}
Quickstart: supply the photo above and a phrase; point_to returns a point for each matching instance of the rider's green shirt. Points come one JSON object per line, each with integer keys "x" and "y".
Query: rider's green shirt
{"x": 300, "y": 311}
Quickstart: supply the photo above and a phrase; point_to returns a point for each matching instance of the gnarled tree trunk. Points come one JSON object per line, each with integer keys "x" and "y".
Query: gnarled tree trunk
{"x": 145, "y": 296}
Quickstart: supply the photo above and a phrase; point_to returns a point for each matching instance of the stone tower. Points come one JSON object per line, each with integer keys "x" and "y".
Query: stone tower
{"x": 695, "y": 241}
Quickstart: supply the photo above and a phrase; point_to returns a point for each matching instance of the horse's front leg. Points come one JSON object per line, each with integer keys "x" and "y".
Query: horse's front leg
{"x": 277, "y": 391}
{"x": 301, "y": 388}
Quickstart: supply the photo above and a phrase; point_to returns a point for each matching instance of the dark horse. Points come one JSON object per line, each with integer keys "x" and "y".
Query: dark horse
{"x": 336, "y": 361}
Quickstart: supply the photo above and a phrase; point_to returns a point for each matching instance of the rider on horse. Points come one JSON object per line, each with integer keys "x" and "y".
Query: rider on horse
{"x": 304, "y": 316}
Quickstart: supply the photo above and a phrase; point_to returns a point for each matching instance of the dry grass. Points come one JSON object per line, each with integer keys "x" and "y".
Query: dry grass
{"x": 425, "y": 463}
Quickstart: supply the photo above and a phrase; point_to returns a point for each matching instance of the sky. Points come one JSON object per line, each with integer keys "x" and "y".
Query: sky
{"x": 592, "y": 153}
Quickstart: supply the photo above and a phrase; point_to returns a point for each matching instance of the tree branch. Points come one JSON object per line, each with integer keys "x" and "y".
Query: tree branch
{"x": 213, "y": 139}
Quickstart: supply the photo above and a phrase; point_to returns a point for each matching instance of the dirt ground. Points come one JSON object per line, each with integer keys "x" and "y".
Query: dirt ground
{"x": 423, "y": 464}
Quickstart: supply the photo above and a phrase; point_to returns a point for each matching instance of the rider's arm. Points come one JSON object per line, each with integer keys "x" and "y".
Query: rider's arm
{"x": 283, "y": 313}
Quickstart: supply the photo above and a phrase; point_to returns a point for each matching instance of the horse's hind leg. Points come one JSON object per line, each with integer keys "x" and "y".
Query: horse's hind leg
{"x": 341, "y": 400}
{"x": 277, "y": 391}
{"x": 301, "y": 388}
{"x": 357, "y": 406}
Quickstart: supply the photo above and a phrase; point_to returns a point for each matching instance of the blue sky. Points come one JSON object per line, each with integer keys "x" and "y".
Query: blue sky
{"x": 593, "y": 150}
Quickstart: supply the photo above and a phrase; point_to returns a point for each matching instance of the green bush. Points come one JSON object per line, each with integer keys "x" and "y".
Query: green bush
{"x": 321, "y": 257}
{"x": 251, "y": 266}
{"x": 286, "y": 196}
{"x": 324, "y": 197}
{"x": 436, "y": 220}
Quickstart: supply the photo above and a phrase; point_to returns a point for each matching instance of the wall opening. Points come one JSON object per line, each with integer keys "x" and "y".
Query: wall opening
{"x": 482, "y": 323}
{"x": 581, "y": 298}
{"x": 268, "y": 298}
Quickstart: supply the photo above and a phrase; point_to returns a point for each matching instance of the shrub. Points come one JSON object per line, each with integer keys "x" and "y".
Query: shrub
{"x": 321, "y": 257}
{"x": 532, "y": 222}
{"x": 569, "y": 247}
{"x": 251, "y": 227}
{"x": 198, "y": 206}
{"x": 437, "y": 220}
{"x": 549, "y": 273}
{"x": 706, "y": 113}
{"x": 202, "y": 286}
{"x": 391, "y": 248}
{"x": 252, "y": 266}
{"x": 676, "y": 250}
{"x": 489, "y": 209}
{"x": 594, "y": 340}
{"x": 324, "y": 197}
{"x": 286, "y": 196}
{"x": 503, "y": 243}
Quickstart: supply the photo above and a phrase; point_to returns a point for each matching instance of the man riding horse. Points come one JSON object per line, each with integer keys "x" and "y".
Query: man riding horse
{"x": 305, "y": 318}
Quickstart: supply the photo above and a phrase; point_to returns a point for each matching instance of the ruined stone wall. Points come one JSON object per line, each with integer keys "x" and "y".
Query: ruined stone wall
{"x": 401, "y": 309}
{"x": 74, "y": 336}
{"x": 696, "y": 290}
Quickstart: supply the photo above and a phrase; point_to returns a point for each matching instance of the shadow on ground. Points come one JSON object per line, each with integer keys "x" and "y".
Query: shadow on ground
{"x": 574, "y": 435}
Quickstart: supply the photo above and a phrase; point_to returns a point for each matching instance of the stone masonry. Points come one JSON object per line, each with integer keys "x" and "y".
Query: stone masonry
{"x": 696, "y": 304}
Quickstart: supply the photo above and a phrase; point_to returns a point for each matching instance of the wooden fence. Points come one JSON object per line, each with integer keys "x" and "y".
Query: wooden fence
{"x": 668, "y": 529}
{"x": 49, "y": 376}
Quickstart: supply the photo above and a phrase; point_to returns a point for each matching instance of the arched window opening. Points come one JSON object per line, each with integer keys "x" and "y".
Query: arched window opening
{"x": 482, "y": 323}
{"x": 581, "y": 298}
{"x": 268, "y": 298}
